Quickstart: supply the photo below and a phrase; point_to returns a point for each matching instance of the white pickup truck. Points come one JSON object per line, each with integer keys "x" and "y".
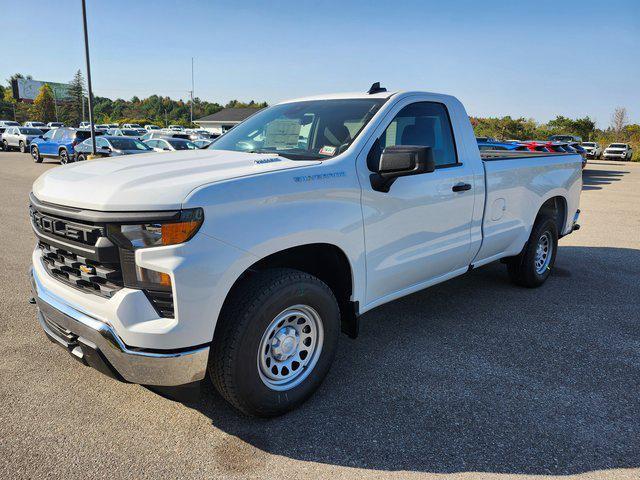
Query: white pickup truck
{"x": 246, "y": 260}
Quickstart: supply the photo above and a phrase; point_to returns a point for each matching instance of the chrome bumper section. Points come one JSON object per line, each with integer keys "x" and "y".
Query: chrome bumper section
{"x": 96, "y": 344}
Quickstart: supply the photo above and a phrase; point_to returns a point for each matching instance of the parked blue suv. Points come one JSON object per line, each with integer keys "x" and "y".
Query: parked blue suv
{"x": 58, "y": 143}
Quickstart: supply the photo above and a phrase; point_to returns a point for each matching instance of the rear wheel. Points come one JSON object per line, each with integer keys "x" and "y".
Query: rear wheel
{"x": 80, "y": 157}
{"x": 35, "y": 154}
{"x": 22, "y": 147}
{"x": 5, "y": 146}
{"x": 533, "y": 266}
{"x": 64, "y": 157}
{"x": 275, "y": 341}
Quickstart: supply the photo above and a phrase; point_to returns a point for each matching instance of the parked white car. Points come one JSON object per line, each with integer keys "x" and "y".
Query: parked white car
{"x": 247, "y": 259}
{"x": 618, "y": 151}
{"x": 176, "y": 128}
{"x": 593, "y": 149}
{"x": 152, "y": 128}
{"x": 135, "y": 126}
{"x": 55, "y": 125}
{"x": 19, "y": 138}
{"x": 8, "y": 123}
{"x": 40, "y": 125}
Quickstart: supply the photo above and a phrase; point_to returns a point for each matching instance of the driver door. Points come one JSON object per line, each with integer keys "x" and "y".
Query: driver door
{"x": 419, "y": 231}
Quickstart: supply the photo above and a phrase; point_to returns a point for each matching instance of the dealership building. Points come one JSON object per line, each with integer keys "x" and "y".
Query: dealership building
{"x": 225, "y": 119}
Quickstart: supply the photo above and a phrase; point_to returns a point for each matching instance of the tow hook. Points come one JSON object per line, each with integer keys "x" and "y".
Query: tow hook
{"x": 32, "y": 301}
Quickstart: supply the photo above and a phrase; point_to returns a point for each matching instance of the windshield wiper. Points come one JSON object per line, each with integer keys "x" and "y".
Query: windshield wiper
{"x": 288, "y": 155}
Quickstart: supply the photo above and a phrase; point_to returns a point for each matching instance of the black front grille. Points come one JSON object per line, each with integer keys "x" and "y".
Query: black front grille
{"x": 79, "y": 253}
{"x": 103, "y": 279}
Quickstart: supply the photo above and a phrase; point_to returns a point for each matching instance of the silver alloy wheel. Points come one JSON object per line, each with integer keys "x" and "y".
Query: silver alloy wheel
{"x": 290, "y": 347}
{"x": 544, "y": 252}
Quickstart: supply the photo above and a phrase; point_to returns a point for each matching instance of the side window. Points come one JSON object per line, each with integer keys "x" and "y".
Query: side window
{"x": 425, "y": 124}
{"x": 101, "y": 143}
{"x": 58, "y": 134}
{"x": 48, "y": 135}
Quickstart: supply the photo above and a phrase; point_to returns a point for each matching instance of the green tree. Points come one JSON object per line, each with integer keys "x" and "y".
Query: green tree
{"x": 73, "y": 108}
{"x": 44, "y": 107}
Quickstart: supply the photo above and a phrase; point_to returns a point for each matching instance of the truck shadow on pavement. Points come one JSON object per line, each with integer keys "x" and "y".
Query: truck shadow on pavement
{"x": 595, "y": 179}
{"x": 476, "y": 375}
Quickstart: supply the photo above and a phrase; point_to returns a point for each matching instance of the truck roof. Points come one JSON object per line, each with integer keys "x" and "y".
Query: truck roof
{"x": 362, "y": 95}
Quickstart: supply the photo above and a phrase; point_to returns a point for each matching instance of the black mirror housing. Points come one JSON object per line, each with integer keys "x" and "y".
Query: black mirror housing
{"x": 400, "y": 161}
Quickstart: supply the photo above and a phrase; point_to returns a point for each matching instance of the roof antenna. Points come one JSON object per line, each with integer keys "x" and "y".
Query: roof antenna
{"x": 376, "y": 88}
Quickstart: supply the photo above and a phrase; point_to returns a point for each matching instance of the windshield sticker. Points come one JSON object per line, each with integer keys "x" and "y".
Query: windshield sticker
{"x": 322, "y": 176}
{"x": 267, "y": 160}
{"x": 327, "y": 150}
{"x": 282, "y": 133}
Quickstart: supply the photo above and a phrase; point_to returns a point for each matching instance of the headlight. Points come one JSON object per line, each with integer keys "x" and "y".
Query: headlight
{"x": 145, "y": 235}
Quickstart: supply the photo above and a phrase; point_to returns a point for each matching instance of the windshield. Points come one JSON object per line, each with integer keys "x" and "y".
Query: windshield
{"x": 130, "y": 132}
{"x": 9, "y": 123}
{"x": 302, "y": 130}
{"x": 31, "y": 131}
{"x": 617, "y": 145}
{"x": 182, "y": 145}
{"x": 120, "y": 143}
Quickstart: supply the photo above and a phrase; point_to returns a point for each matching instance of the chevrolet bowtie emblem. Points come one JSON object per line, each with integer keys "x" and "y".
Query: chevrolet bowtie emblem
{"x": 85, "y": 269}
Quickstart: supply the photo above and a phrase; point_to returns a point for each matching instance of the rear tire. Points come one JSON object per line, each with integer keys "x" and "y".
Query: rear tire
{"x": 533, "y": 266}
{"x": 35, "y": 154}
{"x": 64, "y": 157}
{"x": 275, "y": 341}
{"x": 6, "y": 146}
{"x": 80, "y": 157}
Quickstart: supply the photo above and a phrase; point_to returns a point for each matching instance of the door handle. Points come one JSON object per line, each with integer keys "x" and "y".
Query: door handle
{"x": 461, "y": 187}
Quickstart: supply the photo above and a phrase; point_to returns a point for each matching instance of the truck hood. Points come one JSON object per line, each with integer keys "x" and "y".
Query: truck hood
{"x": 153, "y": 181}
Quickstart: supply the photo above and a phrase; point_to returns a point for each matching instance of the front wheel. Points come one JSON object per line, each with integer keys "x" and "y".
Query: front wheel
{"x": 533, "y": 266}
{"x": 5, "y": 146}
{"x": 80, "y": 157}
{"x": 22, "y": 147}
{"x": 275, "y": 341}
{"x": 35, "y": 154}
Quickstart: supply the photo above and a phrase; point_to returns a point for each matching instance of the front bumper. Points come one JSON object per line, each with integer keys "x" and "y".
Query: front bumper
{"x": 96, "y": 344}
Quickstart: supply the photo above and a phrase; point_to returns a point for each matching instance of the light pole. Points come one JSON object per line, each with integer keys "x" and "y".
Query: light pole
{"x": 191, "y": 92}
{"x": 86, "y": 53}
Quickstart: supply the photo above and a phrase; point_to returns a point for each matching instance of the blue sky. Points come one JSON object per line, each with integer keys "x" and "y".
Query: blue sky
{"x": 522, "y": 58}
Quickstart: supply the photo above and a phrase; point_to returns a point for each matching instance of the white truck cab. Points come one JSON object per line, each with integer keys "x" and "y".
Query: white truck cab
{"x": 246, "y": 259}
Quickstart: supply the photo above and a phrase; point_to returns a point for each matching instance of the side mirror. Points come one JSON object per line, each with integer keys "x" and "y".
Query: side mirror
{"x": 400, "y": 161}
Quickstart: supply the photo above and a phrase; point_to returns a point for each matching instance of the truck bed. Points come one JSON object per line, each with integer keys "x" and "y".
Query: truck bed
{"x": 514, "y": 181}
{"x": 490, "y": 155}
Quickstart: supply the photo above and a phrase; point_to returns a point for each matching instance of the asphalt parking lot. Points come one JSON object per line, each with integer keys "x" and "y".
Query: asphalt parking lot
{"x": 473, "y": 378}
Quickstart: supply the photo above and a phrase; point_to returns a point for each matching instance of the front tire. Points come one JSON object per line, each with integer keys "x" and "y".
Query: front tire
{"x": 22, "y": 147}
{"x": 275, "y": 341}
{"x": 6, "y": 146}
{"x": 80, "y": 157}
{"x": 533, "y": 266}
{"x": 35, "y": 154}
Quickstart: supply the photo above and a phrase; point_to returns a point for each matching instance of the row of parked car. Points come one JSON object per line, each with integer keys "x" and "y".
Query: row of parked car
{"x": 560, "y": 144}
{"x": 70, "y": 144}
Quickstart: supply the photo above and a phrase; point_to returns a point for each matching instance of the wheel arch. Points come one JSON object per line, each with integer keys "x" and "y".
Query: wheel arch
{"x": 555, "y": 207}
{"x": 325, "y": 261}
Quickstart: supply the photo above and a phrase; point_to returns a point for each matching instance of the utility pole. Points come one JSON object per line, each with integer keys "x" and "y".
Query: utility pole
{"x": 192, "y": 92}
{"x": 86, "y": 52}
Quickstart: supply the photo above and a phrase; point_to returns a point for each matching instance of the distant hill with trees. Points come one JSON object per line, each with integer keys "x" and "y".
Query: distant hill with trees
{"x": 155, "y": 109}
